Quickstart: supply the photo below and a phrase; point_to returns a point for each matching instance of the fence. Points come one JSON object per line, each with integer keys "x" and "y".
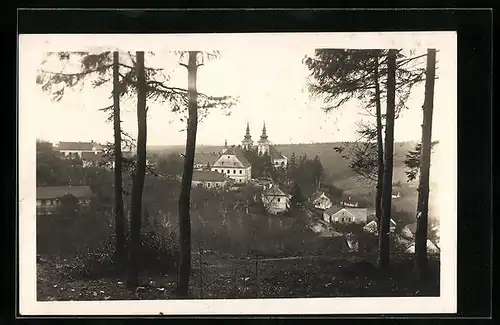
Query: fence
{"x": 293, "y": 276}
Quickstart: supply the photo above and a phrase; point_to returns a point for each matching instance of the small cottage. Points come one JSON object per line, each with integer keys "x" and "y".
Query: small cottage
{"x": 48, "y": 198}
{"x": 76, "y": 149}
{"x": 372, "y": 227}
{"x": 345, "y": 215}
{"x": 321, "y": 201}
{"x": 275, "y": 200}
{"x": 209, "y": 179}
{"x": 409, "y": 230}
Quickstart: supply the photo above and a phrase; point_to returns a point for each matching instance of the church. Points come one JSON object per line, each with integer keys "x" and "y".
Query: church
{"x": 264, "y": 146}
{"x": 233, "y": 164}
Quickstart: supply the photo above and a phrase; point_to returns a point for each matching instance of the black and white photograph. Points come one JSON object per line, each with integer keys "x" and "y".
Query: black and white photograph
{"x": 257, "y": 173}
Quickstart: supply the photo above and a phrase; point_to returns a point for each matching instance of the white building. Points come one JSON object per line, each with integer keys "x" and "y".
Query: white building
{"x": 372, "y": 226}
{"x": 77, "y": 149}
{"x": 275, "y": 200}
{"x": 233, "y": 164}
{"x": 321, "y": 201}
{"x": 345, "y": 215}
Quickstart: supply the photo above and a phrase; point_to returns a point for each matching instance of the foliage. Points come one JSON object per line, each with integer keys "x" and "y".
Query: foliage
{"x": 412, "y": 161}
{"x": 339, "y": 75}
{"x": 298, "y": 199}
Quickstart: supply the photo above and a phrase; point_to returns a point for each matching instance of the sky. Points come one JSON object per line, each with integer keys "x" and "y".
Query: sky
{"x": 270, "y": 82}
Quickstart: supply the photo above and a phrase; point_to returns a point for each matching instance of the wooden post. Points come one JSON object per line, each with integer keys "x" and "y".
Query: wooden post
{"x": 257, "y": 276}
{"x": 201, "y": 271}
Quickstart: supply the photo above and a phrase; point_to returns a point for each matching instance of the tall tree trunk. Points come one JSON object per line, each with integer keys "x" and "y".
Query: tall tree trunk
{"x": 384, "y": 233}
{"x": 380, "y": 146}
{"x": 139, "y": 175}
{"x": 121, "y": 256}
{"x": 187, "y": 176}
{"x": 425, "y": 163}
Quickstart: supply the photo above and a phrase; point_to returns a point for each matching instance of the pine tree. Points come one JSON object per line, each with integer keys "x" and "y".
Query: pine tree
{"x": 425, "y": 163}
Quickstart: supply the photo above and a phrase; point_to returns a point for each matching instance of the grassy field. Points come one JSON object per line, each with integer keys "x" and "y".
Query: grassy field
{"x": 216, "y": 276}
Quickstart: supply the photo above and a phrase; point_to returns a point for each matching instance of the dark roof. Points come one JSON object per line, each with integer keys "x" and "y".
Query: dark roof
{"x": 333, "y": 209}
{"x": 208, "y": 176}
{"x": 78, "y": 146}
{"x": 274, "y": 153}
{"x": 54, "y": 192}
{"x": 235, "y": 151}
{"x": 274, "y": 191}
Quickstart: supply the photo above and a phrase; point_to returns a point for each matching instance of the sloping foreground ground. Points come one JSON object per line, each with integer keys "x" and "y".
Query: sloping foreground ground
{"x": 224, "y": 277}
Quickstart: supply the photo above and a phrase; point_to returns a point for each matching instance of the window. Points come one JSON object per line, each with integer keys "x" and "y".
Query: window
{"x": 217, "y": 184}
{"x": 208, "y": 184}
{"x": 241, "y": 171}
{"x": 228, "y": 171}
{"x": 278, "y": 199}
{"x": 216, "y": 170}
{"x": 222, "y": 163}
{"x": 228, "y": 157}
{"x": 234, "y": 171}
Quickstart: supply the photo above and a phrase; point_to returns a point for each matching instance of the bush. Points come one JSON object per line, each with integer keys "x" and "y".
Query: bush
{"x": 159, "y": 255}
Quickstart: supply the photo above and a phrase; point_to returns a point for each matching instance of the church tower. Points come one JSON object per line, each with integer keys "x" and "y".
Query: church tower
{"x": 225, "y": 146}
{"x": 247, "y": 142}
{"x": 263, "y": 143}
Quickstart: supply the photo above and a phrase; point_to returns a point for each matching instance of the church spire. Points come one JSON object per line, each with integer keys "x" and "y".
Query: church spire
{"x": 225, "y": 146}
{"x": 247, "y": 134}
{"x": 264, "y": 135}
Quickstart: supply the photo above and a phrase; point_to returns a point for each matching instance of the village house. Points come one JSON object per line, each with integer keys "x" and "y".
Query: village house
{"x": 349, "y": 202}
{"x": 409, "y": 230}
{"x": 76, "y": 149}
{"x": 372, "y": 226}
{"x": 233, "y": 164}
{"x": 209, "y": 179}
{"x": 338, "y": 214}
{"x": 48, "y": 198}
{"x": 275, "y": 200}
{"x": 321, "y": 201}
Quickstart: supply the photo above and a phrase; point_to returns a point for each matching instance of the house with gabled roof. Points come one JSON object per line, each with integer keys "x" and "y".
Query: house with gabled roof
{"x": 275, "y": 200}
{"x": 209, "y": 179}
{"x": 48, "y": 198}
{"x": 233, "y": 164}
{"x": 320, "y": 200}
{"x": 339, "y": 214}
{"x": 372, "y": 226}
{"x": 409, "y": 230}
{"x": 76, "y": 149}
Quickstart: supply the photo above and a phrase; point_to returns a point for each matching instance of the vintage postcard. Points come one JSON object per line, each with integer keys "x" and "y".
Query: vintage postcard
{"x": 272, "y": 173}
